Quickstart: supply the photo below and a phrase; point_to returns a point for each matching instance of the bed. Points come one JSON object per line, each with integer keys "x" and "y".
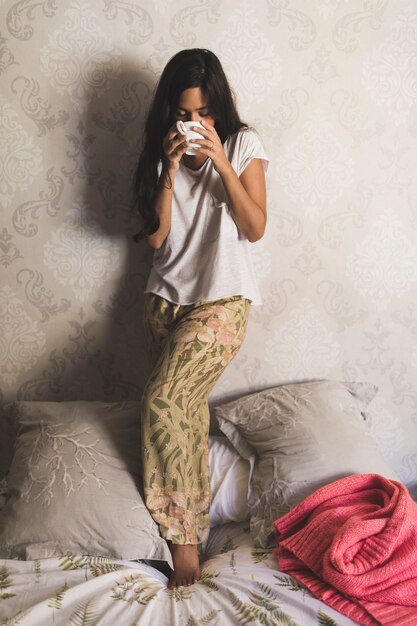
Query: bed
{"x": 240, "y": 585}
{"x": 78, "y": 547}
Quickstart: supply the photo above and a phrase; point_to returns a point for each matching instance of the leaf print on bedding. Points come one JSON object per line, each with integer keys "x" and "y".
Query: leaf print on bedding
{"x": 265, "y": 611}
{"x": 55, "y": 601}
{"x": 100, "y": 565}
{"x": 179, "y": 593}
{"x": 291, "y": 583}
{"x": 264, "y": 597}
{"x": 69, "y": 561}
{"x": 104, "y": 568}
{"x": 134, "y": 589}
{"x": 5, "y": 583}
{"x": 259, "y": 554}
{"x": 325, "y": 620}
{"x": 233, "y": 564}
{"x": 37, "y": 568}
{"x": 207, "y": 578}
{"x": 227, "y": 545}
{"x": 207, "y": 619}
{"x": 84, "y": 615}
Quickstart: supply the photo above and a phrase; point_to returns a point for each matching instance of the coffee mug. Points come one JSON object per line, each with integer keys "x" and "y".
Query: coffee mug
{"x": 185, "y": 129}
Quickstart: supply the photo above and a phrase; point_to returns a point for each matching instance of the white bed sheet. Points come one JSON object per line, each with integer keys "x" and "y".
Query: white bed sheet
{"x": 239, "y": 585}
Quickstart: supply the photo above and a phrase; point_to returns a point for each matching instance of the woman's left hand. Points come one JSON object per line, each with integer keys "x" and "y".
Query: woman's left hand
{"x": 211, "y": 146}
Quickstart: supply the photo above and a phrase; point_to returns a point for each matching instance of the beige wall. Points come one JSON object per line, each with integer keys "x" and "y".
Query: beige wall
{"x": 332, "y": 89}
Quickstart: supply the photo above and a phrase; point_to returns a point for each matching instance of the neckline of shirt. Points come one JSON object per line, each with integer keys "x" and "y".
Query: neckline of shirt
{"x": 189, "y": 169}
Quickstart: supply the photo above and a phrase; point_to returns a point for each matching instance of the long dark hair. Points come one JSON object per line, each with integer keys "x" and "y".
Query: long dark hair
{"x": 194, "y": 67}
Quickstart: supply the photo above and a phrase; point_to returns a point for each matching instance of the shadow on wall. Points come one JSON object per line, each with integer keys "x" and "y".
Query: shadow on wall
{"x": 105, "y": 355}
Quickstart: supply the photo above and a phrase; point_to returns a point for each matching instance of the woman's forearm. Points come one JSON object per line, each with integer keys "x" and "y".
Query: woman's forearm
{"x": 163, "y": 206}
{"x": 248, "y": 213}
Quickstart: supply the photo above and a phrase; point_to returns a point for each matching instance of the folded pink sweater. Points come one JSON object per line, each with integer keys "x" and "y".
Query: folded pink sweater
{"x": 353, "y": 543}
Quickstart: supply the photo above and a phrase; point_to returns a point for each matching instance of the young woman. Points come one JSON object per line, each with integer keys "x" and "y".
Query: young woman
{"x": 200, "y": 213}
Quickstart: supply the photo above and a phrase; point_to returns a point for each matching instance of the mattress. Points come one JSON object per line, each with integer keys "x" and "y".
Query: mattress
{"x": 239, "y": 585}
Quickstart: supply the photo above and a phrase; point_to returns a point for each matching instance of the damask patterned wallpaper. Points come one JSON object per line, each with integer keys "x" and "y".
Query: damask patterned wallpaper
{"x": 331, "y": 86}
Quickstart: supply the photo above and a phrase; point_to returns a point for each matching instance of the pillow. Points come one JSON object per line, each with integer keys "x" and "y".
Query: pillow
{"x": 229, "y": 482}
{"x": 303, "y": 436}
{"x": 74, "y": 484}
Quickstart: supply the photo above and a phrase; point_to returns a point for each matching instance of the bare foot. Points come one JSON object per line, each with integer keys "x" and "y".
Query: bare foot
{"x": 186, "y": 565}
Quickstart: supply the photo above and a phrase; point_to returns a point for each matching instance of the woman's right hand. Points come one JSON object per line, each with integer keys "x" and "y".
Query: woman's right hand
{"x": 174, "y": 146}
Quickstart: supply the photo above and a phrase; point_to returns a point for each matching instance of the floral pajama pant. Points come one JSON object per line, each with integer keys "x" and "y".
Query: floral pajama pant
{"x": 190, "y": 347}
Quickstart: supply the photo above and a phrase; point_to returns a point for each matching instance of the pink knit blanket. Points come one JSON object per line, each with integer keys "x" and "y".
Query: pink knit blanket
{"x": 353, "y": 544}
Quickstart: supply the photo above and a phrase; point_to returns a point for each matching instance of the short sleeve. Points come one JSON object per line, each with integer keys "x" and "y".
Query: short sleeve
{"x": 250, "y": 147}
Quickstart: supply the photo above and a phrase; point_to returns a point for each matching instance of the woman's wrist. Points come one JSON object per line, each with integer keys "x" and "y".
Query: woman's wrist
{"x": 226, "y": 170}
{"x": 172, "y": 168}
{"x": 169, "y": 167}
{"x": 168, "y": 176}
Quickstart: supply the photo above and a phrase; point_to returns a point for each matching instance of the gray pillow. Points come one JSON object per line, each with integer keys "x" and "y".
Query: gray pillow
{"x": 74, "y": 484}
{"x": 303, "y": 436}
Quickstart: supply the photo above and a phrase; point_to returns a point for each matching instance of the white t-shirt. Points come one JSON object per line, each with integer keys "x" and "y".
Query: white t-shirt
{"x": 205, "y": 257}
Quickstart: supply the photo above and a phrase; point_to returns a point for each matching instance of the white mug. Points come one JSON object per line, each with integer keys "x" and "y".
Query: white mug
{"x": 185, "y": 129}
